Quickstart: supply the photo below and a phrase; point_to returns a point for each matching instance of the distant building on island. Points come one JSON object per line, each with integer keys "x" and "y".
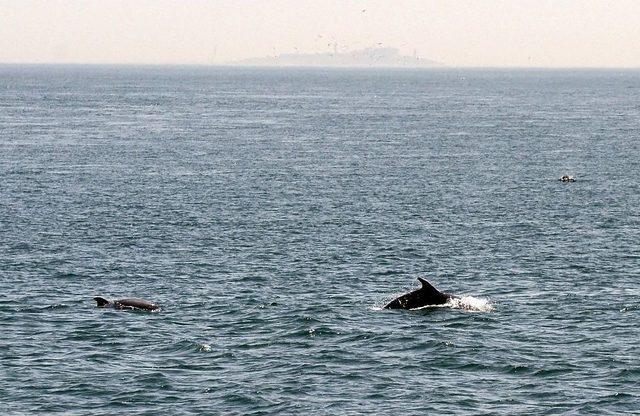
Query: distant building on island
{"x": 363, "y": 58}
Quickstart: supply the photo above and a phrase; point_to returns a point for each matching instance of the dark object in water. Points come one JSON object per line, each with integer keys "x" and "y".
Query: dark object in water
{"x": 139, "y": 304}
{"x": 567, "y": 178}
{"x": 425, "y": 296}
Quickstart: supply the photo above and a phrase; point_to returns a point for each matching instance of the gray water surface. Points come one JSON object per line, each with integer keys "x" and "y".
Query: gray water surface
{"x": 271, "y": 213}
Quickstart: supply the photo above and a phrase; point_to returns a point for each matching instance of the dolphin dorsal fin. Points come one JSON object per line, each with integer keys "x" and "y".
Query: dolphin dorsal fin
{"x": 427, "y": 286}
{"x": 101, "y": 301}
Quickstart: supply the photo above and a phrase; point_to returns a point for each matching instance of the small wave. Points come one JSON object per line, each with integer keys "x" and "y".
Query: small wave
{"x": 56, "y": 306}
{"x": 21, "y": 246}
{"x": 188, "y": 346}
{"x": 42, "y": 309}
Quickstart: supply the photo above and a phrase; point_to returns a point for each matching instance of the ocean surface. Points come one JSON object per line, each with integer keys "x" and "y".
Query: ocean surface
{"x": 272, "y": 213}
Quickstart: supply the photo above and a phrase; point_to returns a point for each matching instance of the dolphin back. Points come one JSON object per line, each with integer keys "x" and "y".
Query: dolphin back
{"x": 135, "y": 304}
{"x": 425, "y": 296}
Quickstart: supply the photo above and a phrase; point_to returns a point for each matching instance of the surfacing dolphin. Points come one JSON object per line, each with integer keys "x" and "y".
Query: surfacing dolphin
{"x": 425, "y": 296}
{"x": 139, "y": 304}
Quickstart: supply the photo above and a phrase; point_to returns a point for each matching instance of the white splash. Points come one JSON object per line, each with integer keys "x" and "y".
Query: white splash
{"x": 470, "y": 303}
{"x": 467, "y": 303}
{"x": 204, "y": 348}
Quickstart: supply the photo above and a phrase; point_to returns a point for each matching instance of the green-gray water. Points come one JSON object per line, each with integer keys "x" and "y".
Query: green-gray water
{"x": 271, "y": 213}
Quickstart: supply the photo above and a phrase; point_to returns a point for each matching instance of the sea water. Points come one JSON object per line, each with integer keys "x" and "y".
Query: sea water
{"x": 271, "y": 213}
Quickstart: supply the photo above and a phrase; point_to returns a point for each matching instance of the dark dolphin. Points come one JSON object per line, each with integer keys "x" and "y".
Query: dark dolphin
{"x": 140, "y": 304}
{"x": 425, "y": 296}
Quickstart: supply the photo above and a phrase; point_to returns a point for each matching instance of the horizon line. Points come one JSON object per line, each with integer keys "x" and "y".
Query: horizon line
{"x": 274, "y": 67}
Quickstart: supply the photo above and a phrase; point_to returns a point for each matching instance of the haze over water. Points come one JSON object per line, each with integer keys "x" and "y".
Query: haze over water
{"x": 271, "y": 213}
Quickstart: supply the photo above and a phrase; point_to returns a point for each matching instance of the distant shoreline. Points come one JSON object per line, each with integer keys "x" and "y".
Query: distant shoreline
{"x": 366, "y": 58}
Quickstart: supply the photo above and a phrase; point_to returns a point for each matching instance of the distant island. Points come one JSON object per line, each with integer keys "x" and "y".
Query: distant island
{"x": 363, "y": 58}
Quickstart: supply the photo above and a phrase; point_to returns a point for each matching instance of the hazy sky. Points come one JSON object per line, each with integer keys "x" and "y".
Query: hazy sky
{"x": 540, "y": 33}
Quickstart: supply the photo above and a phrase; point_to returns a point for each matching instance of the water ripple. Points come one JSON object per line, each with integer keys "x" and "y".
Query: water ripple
{"x": 272, "y": 214}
